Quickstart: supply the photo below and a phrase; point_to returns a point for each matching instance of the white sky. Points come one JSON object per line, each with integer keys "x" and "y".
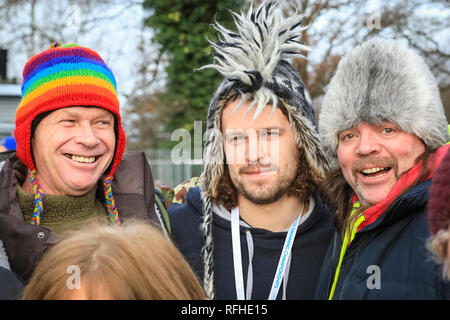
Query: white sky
{"x": 117, "y": 40}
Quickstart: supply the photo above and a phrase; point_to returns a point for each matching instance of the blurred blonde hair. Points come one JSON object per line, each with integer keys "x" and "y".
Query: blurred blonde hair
{"x": 438, "y": 245}
{"x": 127, "y": 262}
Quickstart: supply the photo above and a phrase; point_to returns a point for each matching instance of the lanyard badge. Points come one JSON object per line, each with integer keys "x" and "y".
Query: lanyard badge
{"x": 282, "y": 262}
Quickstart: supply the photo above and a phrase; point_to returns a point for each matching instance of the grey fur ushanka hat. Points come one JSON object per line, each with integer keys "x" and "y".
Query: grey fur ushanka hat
{"x": 380, "y": 81}
{"x": 252, "y": 60}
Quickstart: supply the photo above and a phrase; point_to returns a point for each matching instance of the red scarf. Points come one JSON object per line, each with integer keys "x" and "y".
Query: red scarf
{"x": 405, "y": 181}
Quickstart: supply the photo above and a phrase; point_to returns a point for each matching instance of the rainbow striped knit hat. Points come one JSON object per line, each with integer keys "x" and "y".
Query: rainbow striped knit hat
{"x": 65, "y": 76}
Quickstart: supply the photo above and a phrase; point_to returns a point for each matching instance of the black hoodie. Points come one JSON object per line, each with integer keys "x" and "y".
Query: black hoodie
{"x": 311, "y": 242}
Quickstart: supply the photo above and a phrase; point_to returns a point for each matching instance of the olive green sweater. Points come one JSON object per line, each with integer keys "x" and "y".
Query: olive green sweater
{"x": 64, "y": 213}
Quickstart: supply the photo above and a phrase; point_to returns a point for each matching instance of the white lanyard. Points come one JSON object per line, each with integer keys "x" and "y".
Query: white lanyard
{"x": 237, "y": 259}
{"x": 282, "y": 263}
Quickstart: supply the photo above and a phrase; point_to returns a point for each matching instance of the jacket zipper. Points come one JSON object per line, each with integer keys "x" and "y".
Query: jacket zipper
{"x": 333, "y": 264}
{"x": 341, "y": 291}
{"x": 348, "y": 239}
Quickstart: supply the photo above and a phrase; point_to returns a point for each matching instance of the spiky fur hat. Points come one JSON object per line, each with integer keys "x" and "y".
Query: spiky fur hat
{"x": 382, "y": 81}
{"x": 252, "y": 60}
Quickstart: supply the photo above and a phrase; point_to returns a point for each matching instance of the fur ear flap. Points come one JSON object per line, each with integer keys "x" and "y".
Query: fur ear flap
{"x": 307, "y": 138}
{"x": 213, "y": 159}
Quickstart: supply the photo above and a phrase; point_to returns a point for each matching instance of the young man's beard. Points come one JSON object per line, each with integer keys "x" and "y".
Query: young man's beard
{"x": 266, "y": 194}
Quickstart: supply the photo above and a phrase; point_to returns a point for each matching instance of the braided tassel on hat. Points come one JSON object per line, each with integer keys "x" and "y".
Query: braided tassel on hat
{"x": 208, "y": 249}
{"x": 110, "y": 203}
{"x": 55, "y": 44}
{"x": 38, "y": 199}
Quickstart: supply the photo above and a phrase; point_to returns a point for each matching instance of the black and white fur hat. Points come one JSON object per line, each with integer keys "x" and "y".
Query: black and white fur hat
{"x": 380, "y": 81}
{"x": 252, "y": 60}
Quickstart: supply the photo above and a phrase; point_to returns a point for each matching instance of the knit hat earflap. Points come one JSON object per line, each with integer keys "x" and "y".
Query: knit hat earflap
{"x": 65, "y": 76}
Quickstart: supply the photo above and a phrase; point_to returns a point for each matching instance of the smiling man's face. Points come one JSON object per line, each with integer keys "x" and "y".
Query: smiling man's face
{"x": 72, "y": 148}
{"x": 372, "y": 158}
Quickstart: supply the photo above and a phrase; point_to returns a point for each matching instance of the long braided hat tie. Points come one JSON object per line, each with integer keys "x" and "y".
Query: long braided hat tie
{"x": 39, "y": 200}
{"x": 208, "y": 250}
{"x": 110, "y": 203}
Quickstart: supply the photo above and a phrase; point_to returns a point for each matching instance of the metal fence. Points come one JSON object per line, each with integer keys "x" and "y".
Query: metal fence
{"x": 166, "y": 172}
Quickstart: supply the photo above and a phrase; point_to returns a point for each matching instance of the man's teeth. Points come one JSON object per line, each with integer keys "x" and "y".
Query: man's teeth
{"x": 81, "y": 159}
{"x": 373, "y": 170}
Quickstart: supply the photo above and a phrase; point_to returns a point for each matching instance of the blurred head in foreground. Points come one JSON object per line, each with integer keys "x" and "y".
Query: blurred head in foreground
{"x": 128, "y": 262}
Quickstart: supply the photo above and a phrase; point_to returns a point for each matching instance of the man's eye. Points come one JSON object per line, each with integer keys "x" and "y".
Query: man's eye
{"x": 388, "y": 130}
{"x": 270, "y": 133}
{"x": 346, "y": 137}
{"x": 104, "y": 122}
{"x": 236, "y": 139}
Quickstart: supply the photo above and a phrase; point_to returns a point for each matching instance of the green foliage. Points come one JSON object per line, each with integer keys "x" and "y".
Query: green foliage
{"x": 181, "y": 28}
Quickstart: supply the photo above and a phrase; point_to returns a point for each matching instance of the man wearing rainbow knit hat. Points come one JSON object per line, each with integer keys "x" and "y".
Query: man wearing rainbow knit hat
{"x": 69, "y": 167}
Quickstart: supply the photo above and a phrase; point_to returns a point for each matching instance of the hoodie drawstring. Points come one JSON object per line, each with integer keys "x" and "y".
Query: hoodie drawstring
{"x": 282, "y": 271}
{"x": 251, "y": 250}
